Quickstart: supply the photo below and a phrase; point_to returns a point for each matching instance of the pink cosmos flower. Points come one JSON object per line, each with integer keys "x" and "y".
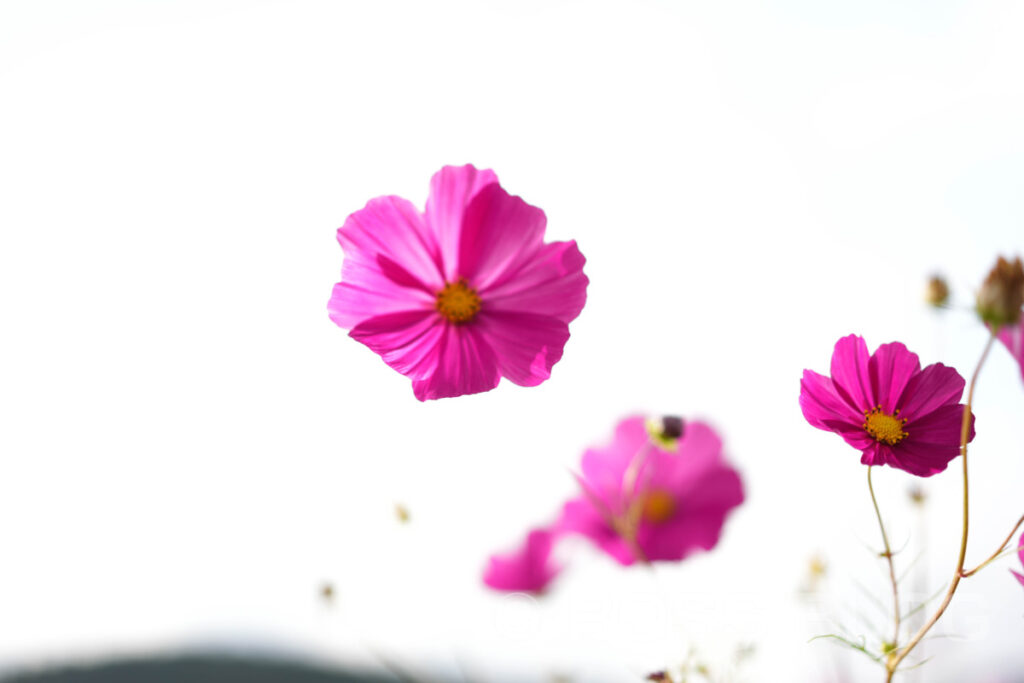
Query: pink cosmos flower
{"x": 887, "y": 407}
{"x": 527, "y": 570}
{"x": 462, "y": 294}
{"x": 1013, "y": 337}
{"x": 1020, "y": 545}
{"x": 659, "y": 491}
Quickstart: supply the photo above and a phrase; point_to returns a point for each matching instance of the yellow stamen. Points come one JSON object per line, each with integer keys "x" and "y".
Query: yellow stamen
{"x": 458, "y": 302}
{"x": 659, "y": 507}
{"x": 885, "y": 428}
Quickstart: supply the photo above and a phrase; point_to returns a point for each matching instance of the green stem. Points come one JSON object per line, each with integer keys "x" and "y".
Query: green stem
{"x": 892, "y": 568}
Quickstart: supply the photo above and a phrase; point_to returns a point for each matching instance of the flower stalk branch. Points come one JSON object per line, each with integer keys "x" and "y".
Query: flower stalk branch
{"x": 897, "y": 656}
{"x": 999, "y": 552}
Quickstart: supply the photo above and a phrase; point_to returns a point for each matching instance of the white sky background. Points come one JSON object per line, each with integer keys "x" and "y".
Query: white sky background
{"x": 189, "y": 446}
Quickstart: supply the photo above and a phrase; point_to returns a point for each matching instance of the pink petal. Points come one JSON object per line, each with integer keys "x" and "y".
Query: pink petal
{"x": 707, "y": 491}
{"x": 718, "y": 488}
{"x": 390, "y": 263}
{"x": 604, "y": 468}
{"x": 528, "y": 569}
{"x": 465, "y": 365}
{"x": 1013, "y": 339}
{"x": 526, "y": 345}
{"x": 875, "y": 453}
{"x": 407, "y": 341}
{"x": 581, "y": 517}
{"x": 919, "y": 459}
{"x": 500, "y": 233}
{"x": 823, "y": 407}
{"x": 937, "y": 385}
{"x": 890, "y": 368}
{"x": 850, "y": 372}
{"x": 698, "y": 455}
{"x": 678, "y": 538}
{"x": 1020, "y": 554}
{"x": 551, "y": 283}
{"x": 941, "y": 426}
{"x": 393, "y": 227}
{"x": 365, "y": 292}
{"x": 451, "y": 190}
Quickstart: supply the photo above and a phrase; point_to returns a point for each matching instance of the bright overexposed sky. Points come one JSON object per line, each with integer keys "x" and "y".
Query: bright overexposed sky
{"x": 189, "y": 447}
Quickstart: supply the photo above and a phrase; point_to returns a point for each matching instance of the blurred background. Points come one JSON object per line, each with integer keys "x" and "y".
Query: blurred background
{"x": 194, "y": 461}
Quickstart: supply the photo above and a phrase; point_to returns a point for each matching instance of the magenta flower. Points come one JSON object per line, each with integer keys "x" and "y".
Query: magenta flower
{"x": 887, "y": 407}
{"x": 1013, "y": 337}
{"x": 659, "y": 491}
{"x": 527, "y": 570}
{"x": 463, "y": 294}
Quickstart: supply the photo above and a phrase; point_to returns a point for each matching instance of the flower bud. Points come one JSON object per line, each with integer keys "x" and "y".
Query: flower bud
{"x": 917, "y": 495}
{"x": 671, "y": 427}
{"x": 666, "y": 431}
{"x": 1002, "y": 294}
{"x": 937, "y": 291}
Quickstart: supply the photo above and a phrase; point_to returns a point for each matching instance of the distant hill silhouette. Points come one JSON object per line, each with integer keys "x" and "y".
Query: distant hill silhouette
{"x": 194, "y": 669}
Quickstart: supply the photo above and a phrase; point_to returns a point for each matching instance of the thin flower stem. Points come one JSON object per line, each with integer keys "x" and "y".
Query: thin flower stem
{"x": 892, "y": 568}
{"x": 997, "y": 553}
{"x": 898, "y": 656}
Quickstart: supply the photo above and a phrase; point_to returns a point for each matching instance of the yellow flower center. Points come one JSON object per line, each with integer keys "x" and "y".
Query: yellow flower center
{"x": 884, "y": 427}
{"x": 458, "y": 302}
{"x": 659, "y": 506}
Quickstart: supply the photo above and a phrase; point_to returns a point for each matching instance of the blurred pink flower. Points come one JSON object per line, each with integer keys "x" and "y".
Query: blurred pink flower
{"x": 1013, "y": 337}
{"x": 659, "y": 491}
{"x": 651, "y": 496}
{"x": 887, "y": 407}
{"x": 1020, "y": 554}
{"x": 529, "y": 569}
{"x": 463, "y": 294}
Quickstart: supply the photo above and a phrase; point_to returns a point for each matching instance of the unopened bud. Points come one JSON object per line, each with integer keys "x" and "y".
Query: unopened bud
{"x": 666, "y": 431}
{"x": 937, "y": 291}
{"x": 1002, "y": 294}
{"x": 917, "y": 495}
{"x": 672, "y": 427}
{"x": 402, "y": 513}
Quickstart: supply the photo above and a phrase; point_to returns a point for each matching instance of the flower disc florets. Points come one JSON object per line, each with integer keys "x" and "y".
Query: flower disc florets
{"x": 884, "y": 427}
{"x": 458, "y": 302}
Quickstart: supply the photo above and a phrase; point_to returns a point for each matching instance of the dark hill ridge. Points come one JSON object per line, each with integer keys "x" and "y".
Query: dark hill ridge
{"x": 195, "y": 669}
